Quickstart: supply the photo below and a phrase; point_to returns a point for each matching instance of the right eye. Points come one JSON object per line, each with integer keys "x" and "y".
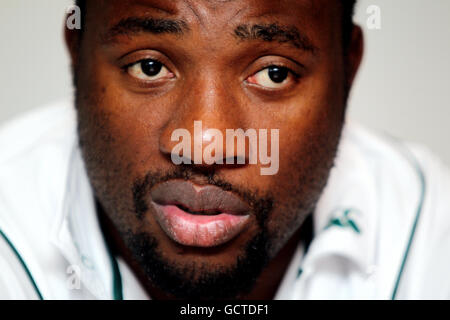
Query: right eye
{"x": 149, "y": 70}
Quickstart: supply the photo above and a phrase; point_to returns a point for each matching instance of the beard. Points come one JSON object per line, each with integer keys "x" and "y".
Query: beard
{"x": 202, "y": 282}
{"x": 196, "y": 280}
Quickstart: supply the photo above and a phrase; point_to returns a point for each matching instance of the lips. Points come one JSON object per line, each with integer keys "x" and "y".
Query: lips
{"x": 198, "y": 216}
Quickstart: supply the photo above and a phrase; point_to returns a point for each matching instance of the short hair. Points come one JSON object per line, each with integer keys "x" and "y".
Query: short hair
{"x": 348, "y": 8}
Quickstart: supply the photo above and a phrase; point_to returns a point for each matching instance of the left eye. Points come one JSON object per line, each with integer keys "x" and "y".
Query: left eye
{"x": 149, "y": 69}
{"x": 272, "y": 77}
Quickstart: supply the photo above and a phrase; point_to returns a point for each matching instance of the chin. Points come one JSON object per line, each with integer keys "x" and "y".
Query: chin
{"x": 196, "y": 275}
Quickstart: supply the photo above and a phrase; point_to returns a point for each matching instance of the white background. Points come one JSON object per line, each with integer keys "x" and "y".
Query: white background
{"x": 403, "y": 87}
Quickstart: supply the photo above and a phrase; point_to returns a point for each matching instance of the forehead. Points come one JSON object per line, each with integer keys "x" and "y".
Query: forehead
{"x": 204, "y": 9}
{"x": 214, "y": 16}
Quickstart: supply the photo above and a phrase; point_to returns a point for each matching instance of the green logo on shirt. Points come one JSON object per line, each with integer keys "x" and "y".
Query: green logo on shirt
{"x": 344, "y": 221}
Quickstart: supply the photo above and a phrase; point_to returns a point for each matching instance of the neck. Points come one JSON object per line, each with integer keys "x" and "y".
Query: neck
{"x": 268, "y": 283}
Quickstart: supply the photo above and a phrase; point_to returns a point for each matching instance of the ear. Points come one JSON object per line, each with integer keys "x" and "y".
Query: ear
{"x": 355, "y": 53}
{"x": 73, "y": 42}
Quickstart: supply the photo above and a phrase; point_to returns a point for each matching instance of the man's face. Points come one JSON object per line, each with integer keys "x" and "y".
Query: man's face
{"x": 149, "y": 67}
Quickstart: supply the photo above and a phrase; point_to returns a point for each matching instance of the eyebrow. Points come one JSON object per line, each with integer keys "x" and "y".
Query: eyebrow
{"x": 275, "y": 32}
{"x": 131, "y": 26}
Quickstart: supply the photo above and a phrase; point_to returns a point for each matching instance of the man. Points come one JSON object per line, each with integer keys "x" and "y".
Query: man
{"x": 101, "y": 202}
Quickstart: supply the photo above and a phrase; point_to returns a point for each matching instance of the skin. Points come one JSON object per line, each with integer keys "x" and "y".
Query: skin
{"x": 125, "y": 124}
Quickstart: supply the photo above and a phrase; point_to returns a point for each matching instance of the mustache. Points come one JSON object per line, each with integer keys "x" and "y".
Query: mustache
{"x": 261, "y": 205}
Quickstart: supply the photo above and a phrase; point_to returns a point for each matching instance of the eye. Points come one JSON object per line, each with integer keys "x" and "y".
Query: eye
{"x": 272, "y": 77}
{"x": 149, "y": 70}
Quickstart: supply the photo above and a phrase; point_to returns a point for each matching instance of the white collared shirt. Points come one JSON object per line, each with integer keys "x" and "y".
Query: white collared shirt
{"x": 381, "y": 227}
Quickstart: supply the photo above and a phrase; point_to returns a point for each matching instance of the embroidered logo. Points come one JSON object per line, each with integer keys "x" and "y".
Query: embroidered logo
{"x": 344, "y": 220}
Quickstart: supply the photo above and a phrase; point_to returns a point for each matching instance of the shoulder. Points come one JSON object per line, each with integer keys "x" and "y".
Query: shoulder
{"x": 417, "y": 174}
{"x": 429, "y": 262}
{"x": 41, "y": 126}
{"x": 34, "y": 160}
{"x": 35, "y": 151}
{"x": 413, "y": 208}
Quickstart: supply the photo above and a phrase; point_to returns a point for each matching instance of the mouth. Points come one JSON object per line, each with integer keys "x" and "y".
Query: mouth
{"x": 196, "y": 216}
{"x": 210, "y": 212}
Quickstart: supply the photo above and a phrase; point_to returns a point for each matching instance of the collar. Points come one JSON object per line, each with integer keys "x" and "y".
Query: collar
{"x": 77, "y": 233}
{"x": 345, "y": 219}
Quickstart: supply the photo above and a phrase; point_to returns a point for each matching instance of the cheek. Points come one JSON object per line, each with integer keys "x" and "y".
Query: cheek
{"x": 306, "y": 155}
{"x": 118, "y": 135}
{"x": 309, "y": 137}
{"x": 303, "y": 175}
{"x": 117, "y": 124}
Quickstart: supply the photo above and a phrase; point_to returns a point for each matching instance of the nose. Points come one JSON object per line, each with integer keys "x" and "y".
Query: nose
{"x": 196, "y": 134}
